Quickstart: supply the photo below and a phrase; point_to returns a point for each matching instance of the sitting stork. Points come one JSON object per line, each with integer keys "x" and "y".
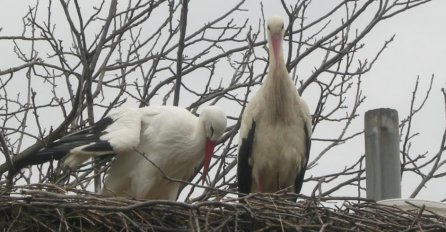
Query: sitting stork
{"x": 150, "y": 143}
{"x": 275, "y": 131}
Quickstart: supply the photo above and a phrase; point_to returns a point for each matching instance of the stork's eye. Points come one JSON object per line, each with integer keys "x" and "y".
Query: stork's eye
{"x": 268, "y": 28}
{"x": 282, "y": 26}
{"x": 212, "y": 130}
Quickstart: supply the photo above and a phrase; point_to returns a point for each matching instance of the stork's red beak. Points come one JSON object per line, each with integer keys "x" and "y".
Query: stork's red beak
{"x": 209, "y": 150}
{"x": 276, "y": 40}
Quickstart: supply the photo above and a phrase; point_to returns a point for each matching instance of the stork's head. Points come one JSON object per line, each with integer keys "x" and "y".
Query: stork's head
{"x": 276, "y": 30}
{"x": 214, "y": 121}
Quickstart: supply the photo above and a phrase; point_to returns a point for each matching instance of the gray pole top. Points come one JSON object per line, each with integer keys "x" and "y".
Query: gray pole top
{"x": 383, "y": 167}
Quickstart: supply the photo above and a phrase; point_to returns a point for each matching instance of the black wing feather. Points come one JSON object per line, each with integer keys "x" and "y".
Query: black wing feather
{"x": 300, "y": 175}
{"x": 244, "y": 170}
{"x": 59, "y": 148}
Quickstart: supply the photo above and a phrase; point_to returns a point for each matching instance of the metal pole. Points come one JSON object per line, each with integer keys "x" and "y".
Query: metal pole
{"x": 383, "y": 168}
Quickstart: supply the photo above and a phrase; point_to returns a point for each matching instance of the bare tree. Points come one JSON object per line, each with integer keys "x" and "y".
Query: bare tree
{"x": 76, "y": 61}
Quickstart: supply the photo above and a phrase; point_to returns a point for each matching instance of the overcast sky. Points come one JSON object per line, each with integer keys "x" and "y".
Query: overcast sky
{"x": 419, "y": 49}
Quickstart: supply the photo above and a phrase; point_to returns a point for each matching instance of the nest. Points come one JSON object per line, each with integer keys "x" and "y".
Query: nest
{"x": 51, "y": 208}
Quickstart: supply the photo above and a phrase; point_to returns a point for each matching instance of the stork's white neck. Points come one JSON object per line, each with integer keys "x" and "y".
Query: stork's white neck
{"x": 279, "y": 89}
{"x": 199, "y": 136}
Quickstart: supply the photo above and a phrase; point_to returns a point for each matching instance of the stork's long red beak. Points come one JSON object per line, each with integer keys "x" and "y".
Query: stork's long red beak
{"x": 276, "y": 40}
{"x": 209, "y": 150}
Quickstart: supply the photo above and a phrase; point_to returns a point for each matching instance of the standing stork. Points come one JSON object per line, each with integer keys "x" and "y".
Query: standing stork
{"x": 275, "y": 128}
{"x": 150, "y": 143}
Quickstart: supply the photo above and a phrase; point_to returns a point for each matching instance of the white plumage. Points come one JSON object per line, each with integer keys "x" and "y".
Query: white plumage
{"x": 172, "y": 138}
{"x": 275, "y": 128}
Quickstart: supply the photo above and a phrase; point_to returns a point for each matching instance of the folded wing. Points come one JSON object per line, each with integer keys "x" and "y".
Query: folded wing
{"x": 119, "y": 132}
